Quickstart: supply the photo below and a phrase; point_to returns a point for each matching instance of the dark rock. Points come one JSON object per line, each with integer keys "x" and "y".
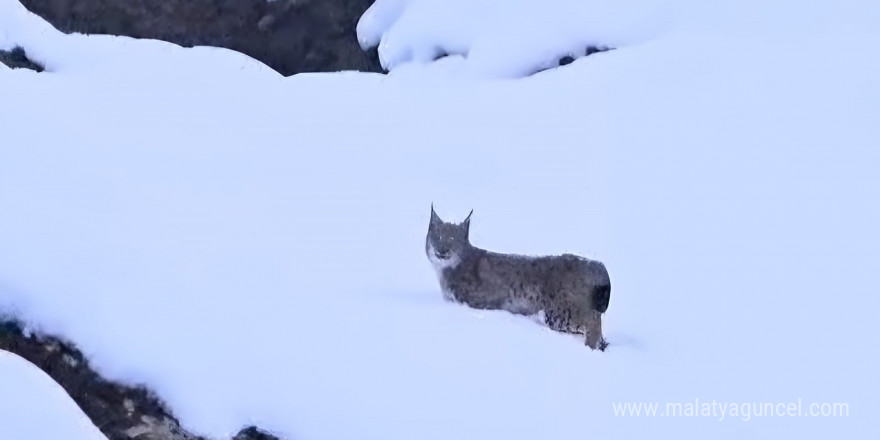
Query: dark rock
{"x": 291, "y": 36}
{"x": 121, "y": 412}
{"x": 252, "y": 433}
{"x": 566, "y": 60}
{"x": 17, "y": 59}
{"x": 596, "y": 49}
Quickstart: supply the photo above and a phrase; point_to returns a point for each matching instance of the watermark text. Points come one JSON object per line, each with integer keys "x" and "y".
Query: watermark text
{"x": 743, "y": 411}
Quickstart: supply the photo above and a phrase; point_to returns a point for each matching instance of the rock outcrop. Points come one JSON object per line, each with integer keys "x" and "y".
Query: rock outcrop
{"x": 121, "y": 412}
{"x": 291, "y": 36}
{"x": 16, "y": 58}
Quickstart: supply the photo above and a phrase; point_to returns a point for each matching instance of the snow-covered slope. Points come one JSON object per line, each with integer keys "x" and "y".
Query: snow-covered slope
{"x": 503, "y": 39}
{"x": 252, "y": 246}
{"x": 34, "y": 407}
{"x": 112, "y": 56}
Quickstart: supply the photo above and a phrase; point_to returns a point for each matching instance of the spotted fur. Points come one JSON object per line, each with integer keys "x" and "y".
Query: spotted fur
{"x": 572, "y": 291}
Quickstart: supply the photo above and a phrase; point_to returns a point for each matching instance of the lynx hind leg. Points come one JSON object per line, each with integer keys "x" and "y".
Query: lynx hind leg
{"x": 595, "y": 340}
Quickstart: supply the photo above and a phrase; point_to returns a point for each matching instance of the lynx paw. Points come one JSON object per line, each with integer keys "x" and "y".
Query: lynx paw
{"x": 596, "y": 342}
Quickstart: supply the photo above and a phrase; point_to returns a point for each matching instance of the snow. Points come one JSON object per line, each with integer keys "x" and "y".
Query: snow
{"x": 502, "y": 38}
{"x": 112, "y": 56}
{"x": 34, "y": 407}
{"x": 252, "y": 247}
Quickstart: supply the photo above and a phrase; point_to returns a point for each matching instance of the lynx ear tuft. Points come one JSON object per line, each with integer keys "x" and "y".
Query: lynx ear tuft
{"x": 434, "y": 217}
{"x": 467, "y": 222}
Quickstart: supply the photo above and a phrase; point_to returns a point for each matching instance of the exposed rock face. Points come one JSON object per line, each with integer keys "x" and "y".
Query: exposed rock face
{"x": 291, "y": 36}
{"x": 17, "y": 59}
{"x": 121, "y": 412}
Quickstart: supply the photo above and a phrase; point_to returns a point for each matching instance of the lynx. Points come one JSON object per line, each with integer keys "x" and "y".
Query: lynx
{"x": 573, "y": 292}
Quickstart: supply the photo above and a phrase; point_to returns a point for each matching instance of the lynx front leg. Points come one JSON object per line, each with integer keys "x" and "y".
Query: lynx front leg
{"x": 595, "y": 340}
{"x": 558, "y": 319}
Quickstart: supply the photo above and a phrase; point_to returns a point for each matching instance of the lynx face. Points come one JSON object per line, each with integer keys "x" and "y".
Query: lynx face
{"x": 446, "y": 242}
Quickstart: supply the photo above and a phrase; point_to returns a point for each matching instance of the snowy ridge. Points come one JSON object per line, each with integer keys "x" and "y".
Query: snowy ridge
{"x": 115, "y": 56}
{"x": 501, "y": 38}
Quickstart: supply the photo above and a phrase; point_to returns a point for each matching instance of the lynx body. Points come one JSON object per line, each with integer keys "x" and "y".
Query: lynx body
{"x": 573, "y": 292}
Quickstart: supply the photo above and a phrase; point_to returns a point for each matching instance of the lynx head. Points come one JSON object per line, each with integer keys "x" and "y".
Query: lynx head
{"x": 446, "y": 242}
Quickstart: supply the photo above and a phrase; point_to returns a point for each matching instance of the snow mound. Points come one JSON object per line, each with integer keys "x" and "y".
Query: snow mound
{"x": 509, "y": 39}
{"x": 501, "y": 38}
{"x": 112, "y": 56}
{"x": 34, "y": 407}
